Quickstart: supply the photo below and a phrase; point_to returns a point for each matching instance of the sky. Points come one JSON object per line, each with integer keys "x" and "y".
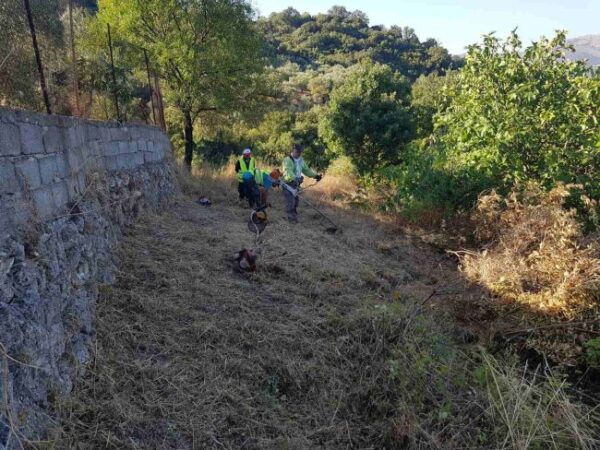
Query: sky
{"x": 458, "y": 23}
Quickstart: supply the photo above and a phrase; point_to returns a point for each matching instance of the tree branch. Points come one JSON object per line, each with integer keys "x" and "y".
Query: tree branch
{"x": 203, "y": 109}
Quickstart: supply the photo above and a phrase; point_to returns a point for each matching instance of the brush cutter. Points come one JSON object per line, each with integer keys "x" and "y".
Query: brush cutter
{"x": 258, "y": 221}
{"x": 296, "y": 192}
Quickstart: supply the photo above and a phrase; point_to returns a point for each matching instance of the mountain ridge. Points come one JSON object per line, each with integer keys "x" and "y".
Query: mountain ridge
{"x": 587, "y": 47}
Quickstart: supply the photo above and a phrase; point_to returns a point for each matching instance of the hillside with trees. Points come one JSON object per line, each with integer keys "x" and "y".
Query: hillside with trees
{"x": 345, "y": 37}
{"x": 308, "y": 60}
{"x": 470, "y": 189}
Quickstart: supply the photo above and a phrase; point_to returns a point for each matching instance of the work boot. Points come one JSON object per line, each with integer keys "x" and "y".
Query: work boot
{"x": 292, "y": 220}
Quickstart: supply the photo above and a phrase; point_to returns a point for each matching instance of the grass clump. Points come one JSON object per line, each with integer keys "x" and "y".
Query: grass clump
{"x": 531, "y": 410}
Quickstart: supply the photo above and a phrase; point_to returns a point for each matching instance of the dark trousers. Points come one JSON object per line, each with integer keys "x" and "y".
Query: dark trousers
{"x": 291, "y": 202}
{"x": 249, "y": 190}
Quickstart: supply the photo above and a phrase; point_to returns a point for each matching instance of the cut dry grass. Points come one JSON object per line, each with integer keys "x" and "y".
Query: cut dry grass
{"x": 326, "y": 346}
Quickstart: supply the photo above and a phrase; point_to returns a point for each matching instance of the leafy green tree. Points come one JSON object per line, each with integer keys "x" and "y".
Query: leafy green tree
{"x": 306, "y": 132}
{"x": 427, "y": 98}
{"x": 19, "y": 83}
{"x": 95, "y": 74}
{"x": 511, "y": 115}
{"x": 207, "y": 51}
{"x": 520, "y": 114}
{"x": 368, "y": 117}
{"x": 279, "y": 130}
{"x": 274, "y": 137}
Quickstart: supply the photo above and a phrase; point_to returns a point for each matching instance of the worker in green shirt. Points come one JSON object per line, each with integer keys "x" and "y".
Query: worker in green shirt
{"x": 294, "y": 169}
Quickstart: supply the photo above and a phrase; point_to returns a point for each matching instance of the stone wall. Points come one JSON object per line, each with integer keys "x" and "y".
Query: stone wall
{"x": 67, "y": 188}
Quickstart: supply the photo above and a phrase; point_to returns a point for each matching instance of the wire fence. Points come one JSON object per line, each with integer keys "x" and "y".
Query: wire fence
{"x": 43, "y": 68}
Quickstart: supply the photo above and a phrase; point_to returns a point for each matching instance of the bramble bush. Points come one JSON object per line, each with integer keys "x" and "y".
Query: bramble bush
{"x": 535, "y": 252}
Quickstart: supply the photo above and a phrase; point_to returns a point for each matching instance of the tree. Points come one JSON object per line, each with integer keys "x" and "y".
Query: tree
{"x": 427, "y": 98}
{"x": 18, "y": 74}
{"x": 274, "y": 137}
{"x": 207, "y": 51}
{"x": 518, "y": 114}
{"x": 368, "y": 117}
{"x": 95, "y": 69}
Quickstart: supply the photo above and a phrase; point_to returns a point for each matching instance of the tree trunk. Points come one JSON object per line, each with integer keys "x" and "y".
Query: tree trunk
{"x": 188, "y": 133}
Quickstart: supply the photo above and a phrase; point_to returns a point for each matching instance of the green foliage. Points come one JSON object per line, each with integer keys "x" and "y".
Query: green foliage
{"x": 345, "y": 37}
{"x": 523, "y": 114}
{"x": 306, "y": 132}
{"x": 368, "y": 117}
{"x": 90, "y": 5}
{"x": 218, "y": 152}
{"x": 342, "y": 166}
{"x": 510, "y": 115}
{"x": 19, "y": 82}
{"x": 207, "y": 51}
{"x": 592, "y": 352}
{"x": 95, "y": 77}
{"x": 197, "y": 45}
{"x": 95, "y": 74}
{"x": 314, "y": 55}
{"x": 274, "y": 136}
{"x": 427, "y": 98}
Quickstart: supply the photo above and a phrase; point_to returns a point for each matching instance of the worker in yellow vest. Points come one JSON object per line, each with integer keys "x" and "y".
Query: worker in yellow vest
{"x": 245, "y": 170}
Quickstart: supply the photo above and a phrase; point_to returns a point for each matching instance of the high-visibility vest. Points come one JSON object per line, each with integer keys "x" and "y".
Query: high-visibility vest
{"x": 244, "y": 168}
{"x": 260, "y": 176}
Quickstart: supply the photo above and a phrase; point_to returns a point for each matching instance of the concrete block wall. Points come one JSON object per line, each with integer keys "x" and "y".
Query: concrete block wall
{"x": 44, "y": 158}
{"x": 68, "y": 187}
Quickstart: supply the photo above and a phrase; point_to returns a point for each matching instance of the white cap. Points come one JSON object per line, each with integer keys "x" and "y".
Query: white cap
{"x": 247, "y": 151}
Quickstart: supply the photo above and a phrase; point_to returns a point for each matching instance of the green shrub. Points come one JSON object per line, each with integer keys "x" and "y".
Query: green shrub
{"x": 342, "y": 166}
{"x": 512, "y": 115}
{"x": 523, "y": 114}
{"x": 427, "y": 98}
{"x": 424, "y": 182}
{"x": 216, "y": 152}
{"x": 273, "y": 138}
{"x": 592, "y": 352}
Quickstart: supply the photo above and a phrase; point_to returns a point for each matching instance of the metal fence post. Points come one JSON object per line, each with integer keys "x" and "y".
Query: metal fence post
{"x": 38, "y": 58}
{"x": 74, "y": 60}
{"x": 114, "y": 77}
{"x": 150, "y": 85}
{"x": 161, "y": 106}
